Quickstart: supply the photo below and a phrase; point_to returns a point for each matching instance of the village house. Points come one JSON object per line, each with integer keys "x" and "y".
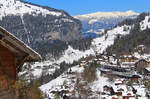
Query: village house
{"x": 120, "y": 81}
{"x": 13, "y": 54}
{"x": 129, "y": 96}
{"x": 129, "y": 65}
{"x": 135, "y": 78}
{"x": 140, "y": 48}
{"x": 108, "y": 90}
{"x": 127, "y": 58}
{"x": 83, "y": 63}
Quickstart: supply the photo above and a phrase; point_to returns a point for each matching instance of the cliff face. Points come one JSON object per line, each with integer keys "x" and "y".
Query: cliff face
{"x": 33, "y": 23}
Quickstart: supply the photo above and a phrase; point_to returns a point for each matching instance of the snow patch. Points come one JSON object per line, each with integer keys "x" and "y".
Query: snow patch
{"x": 98, "y": 84}
{"x": 145, "y": 23}
{"x": 71, "y": 55}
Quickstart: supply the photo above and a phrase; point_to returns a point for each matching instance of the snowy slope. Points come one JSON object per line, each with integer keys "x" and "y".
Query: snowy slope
{"x": 15, "y": 7}
{"x": 71, "y": 55}
{"x": 106, "y": 40}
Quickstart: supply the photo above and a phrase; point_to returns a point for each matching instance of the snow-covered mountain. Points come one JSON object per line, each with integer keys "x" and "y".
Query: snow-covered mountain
{"x": 35, "y": 24}
{"x": 99, "y": 21}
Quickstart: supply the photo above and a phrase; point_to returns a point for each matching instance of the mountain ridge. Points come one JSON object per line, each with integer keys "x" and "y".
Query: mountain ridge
{"x": 106, "y": 14}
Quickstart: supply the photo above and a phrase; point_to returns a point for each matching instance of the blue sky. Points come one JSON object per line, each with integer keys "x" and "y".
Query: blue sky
{"x": 76, "y": 7}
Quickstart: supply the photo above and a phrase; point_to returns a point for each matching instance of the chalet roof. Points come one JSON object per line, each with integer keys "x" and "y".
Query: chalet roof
{"x": 140, "y": 61}
{"x": 136, "y": 76}
{"x": 17, "y": 46}
{"x": 148, "y": 69}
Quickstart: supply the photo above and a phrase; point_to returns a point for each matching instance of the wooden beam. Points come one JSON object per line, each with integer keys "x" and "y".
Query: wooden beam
{"x": 8, "y": 47}
{"x": 19, "y": 45}
{"x": 13, "y": 46}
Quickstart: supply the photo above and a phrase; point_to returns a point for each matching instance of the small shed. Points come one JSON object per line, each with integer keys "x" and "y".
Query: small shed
{"x": 13, "y": 54}
{"x": 135, "y": 78}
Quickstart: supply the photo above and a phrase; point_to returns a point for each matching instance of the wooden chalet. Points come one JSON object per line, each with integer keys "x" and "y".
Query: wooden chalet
{"x": 135, "y": 78}
{"x": 13, "y": 54}
{"x": 128, "y": 58}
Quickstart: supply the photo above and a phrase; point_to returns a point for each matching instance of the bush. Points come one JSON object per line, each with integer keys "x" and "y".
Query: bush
{"x": 29, "y": 91}
{"x": 89, "y": 73}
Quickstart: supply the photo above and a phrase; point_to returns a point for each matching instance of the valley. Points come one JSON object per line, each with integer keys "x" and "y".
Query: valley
{"x": 101, "y": 55}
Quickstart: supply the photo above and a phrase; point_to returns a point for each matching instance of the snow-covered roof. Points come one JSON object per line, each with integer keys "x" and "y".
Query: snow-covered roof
{"x": 17, "y": 46}
{"x": 148, "y": 68}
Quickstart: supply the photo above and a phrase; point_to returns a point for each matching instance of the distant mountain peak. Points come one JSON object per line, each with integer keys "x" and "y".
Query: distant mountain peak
{"x": 107, "y": 14}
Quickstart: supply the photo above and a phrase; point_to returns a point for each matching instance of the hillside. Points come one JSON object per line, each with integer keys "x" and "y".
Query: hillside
{"x": 38, "y": 25}
{"x": 139, "y": 35}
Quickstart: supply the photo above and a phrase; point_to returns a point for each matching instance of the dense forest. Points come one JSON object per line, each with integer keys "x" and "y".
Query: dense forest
{"x": 56, "y": 48}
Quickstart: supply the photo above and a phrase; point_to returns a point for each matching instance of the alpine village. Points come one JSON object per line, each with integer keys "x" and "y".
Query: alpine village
{"x": 45, "y": 53}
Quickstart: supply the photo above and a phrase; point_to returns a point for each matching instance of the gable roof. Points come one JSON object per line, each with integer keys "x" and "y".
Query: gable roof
{"x": 16, "y": 46}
